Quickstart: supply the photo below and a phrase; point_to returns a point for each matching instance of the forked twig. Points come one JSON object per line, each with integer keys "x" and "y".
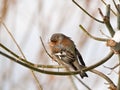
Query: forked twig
{"x": 95, "y": 38}
{"x": 104, "y": 34}
{"x": 116, "y": 6}
{"x": 106, "y": 19}
{"x": 112, "y": 68}
{"x": 103, "y": 1}
{"x": 111, "y": 83}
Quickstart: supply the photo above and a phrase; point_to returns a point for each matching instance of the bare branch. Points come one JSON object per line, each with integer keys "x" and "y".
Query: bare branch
{"x": 106, "y": 20}
{"x": 100, "y": 62}
{"x": 118, "y": 17}
{"x": 103, "y": 1}
{"x": 83, "y": 83}
{"x": 95, "y": 38}
{"x": 118, "y": 85}
{"x": 116, "y": 6}
{"x": 45, "y": 48}
{"x": 55, "y": 73}
{"x": 112, "y": 85}
{"x": 37, "y": 81}
{"x": 86, "y": 12}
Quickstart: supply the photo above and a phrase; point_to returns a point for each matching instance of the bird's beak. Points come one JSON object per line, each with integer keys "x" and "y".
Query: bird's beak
{"x": 51, "y": 44}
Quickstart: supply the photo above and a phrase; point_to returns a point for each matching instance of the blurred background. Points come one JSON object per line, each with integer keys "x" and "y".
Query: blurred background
{"x": 27, "y": 20}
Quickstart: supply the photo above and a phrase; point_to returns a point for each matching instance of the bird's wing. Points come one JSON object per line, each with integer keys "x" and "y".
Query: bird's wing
{"x": 79, "y": 57}
{"x": 66, "y": 56}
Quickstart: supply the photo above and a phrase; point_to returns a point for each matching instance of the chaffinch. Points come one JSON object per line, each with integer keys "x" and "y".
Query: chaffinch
{"x": 64, "y": 48}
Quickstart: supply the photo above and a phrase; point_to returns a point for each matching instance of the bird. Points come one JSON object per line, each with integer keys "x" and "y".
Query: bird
{"x": 63, "y": 47}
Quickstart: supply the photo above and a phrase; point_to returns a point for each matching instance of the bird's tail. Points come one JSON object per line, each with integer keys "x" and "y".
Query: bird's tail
{"x": 83, "y": 74}
{"x": 77, "y": 66}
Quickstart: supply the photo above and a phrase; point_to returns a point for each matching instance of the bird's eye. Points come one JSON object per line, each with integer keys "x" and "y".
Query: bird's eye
{"x": 53, "y": 41}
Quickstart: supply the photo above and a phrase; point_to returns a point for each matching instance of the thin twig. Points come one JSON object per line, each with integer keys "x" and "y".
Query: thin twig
{"x": 73, "y": 83}
{"x": 45, "y": 48}
{"x": 116, "y": 6}
{"x": 95, "y": 38}
{"x": 83, "y": 83}
{"x": 112, "y": 68}
{"x": 111, "y": 53}
{"x": 106, "y": 20}
{"x": 111, "y": 83}
{"x": 118, "y": 17}
{"x": 104, "y": 34}
{"x": 8, "y": 31}
{"x": 118, "y": 85}
{"x": 35, "y": 77}
{"x": 100, "y": 12}
{"x": 103, "y": 1}
{"x": 86, "y": 12}
{"x": 37, "y": 81}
